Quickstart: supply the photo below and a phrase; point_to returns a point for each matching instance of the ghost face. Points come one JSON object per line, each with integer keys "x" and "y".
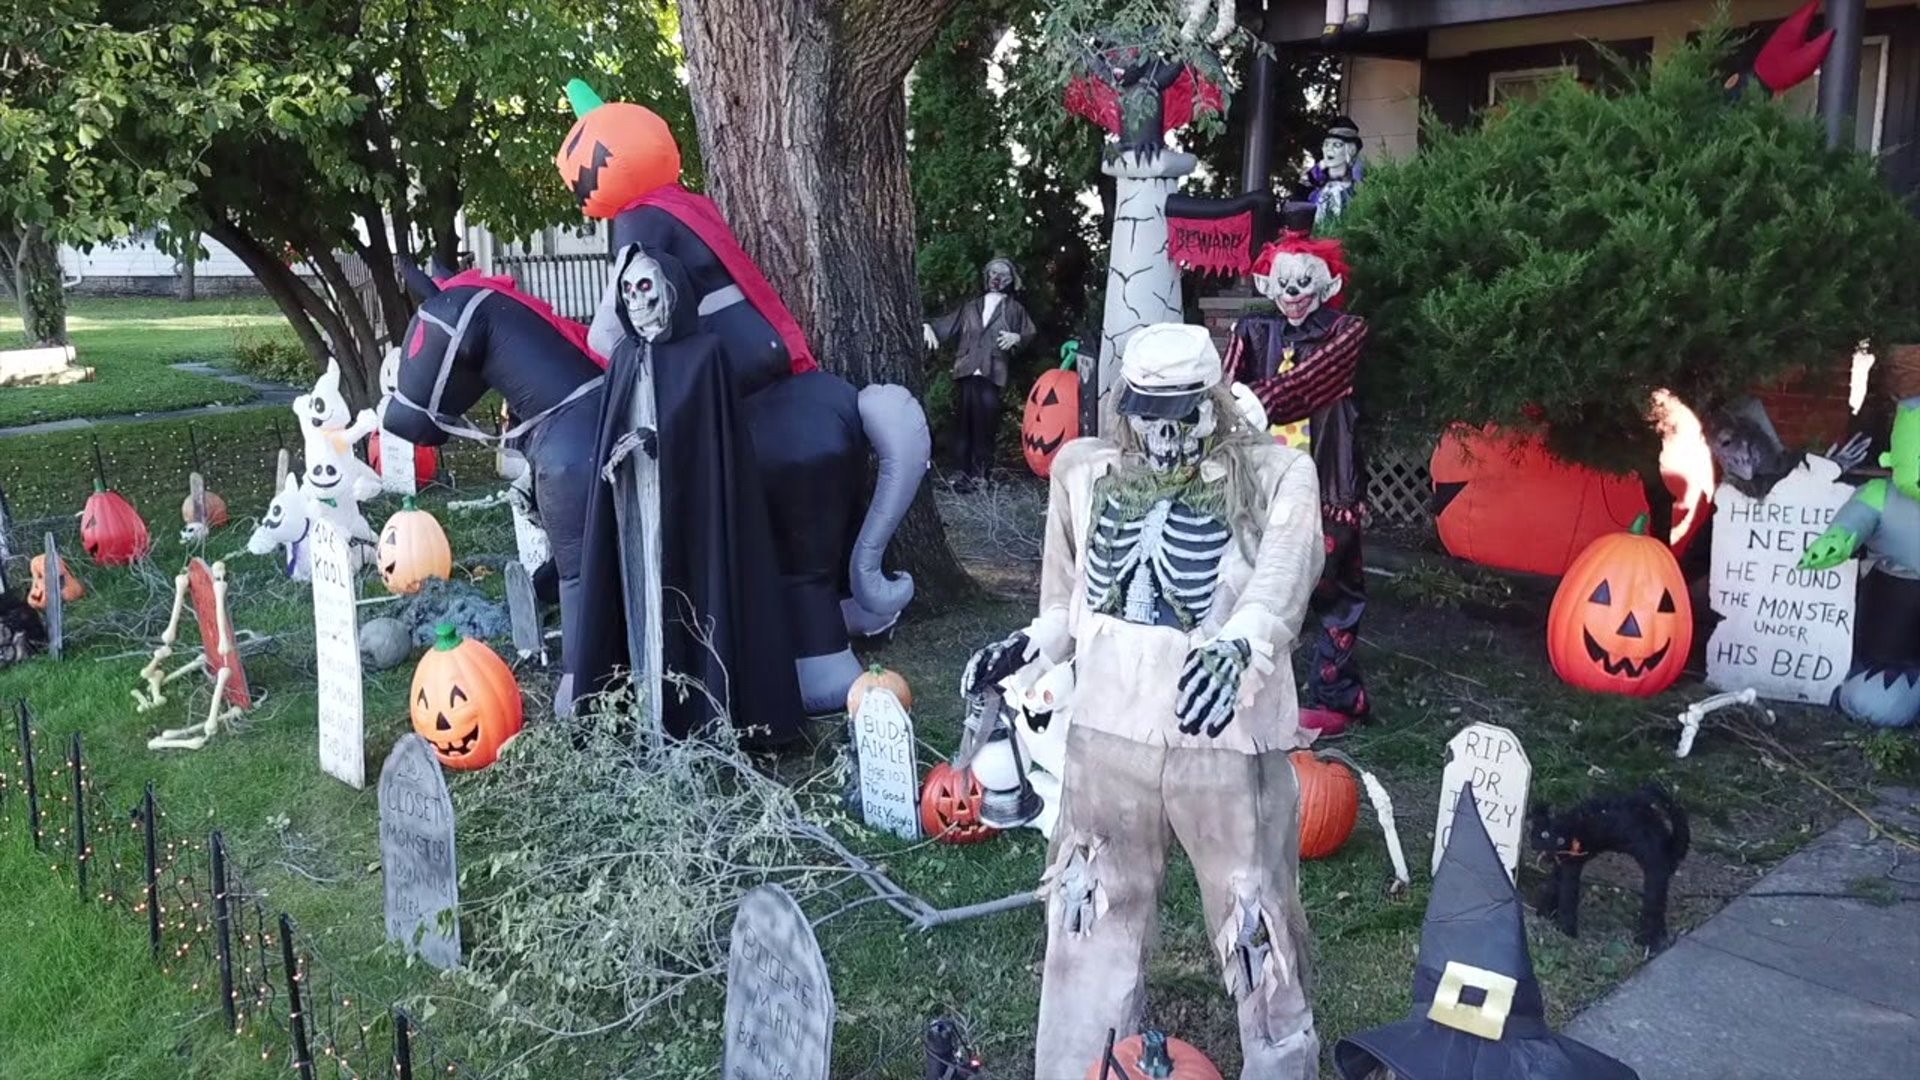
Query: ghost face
{"x": 1174, "y": 444}
{"x": 323, "y": 477}
{"x": 325, "y": 407}
{"x": 1336, "y": 155}
{"x": 1298, "y": 284}
{"x": 647, "y": 296}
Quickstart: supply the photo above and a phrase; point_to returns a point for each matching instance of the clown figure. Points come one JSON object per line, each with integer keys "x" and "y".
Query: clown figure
{"x": 1300, "y": 363}
{"x": 1179, "y": 557}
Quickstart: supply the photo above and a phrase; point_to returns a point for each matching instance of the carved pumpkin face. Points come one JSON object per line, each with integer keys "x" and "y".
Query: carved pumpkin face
{"x": 111, "y": 530}
{"x": 1329, "y": 803}
{"x": 465, "y": 701}
{"x": 950, "y": 806}
{"x": 413, "y": 548}
{"x": 1051, "y": 418}
{"x": 616, "y": 152}
{"x": 70, "y": 587}
{"x": 1621, "y": 621}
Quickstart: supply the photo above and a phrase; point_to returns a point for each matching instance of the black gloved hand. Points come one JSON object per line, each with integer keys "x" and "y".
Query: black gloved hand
{"x": 1210, "y": 687}
{"x": 987, "y": 667}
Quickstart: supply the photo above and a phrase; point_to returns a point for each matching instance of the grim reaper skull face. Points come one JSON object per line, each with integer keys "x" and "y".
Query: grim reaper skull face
{"x": 647, "y": 295}
{"x": 1174, "y": 444}
{"x": 1298, "y": 284}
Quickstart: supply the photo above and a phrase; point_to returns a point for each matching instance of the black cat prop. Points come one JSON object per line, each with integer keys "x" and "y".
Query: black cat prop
{"x": 1646, "y": 825}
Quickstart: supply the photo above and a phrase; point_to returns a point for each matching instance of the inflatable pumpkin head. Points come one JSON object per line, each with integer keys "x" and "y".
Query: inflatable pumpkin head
{"x": 466, "y": 701}
{"x": 1621, "y": 621}
{"x": 616, "y": 152}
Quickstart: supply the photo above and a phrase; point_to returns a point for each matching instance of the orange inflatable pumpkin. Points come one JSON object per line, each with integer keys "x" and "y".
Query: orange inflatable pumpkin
{"x": 1152, "y": 1055}
{"x": 950, "y": 806}
{"x": 883, "y": 678}
{"x": 616, "y": 152}
{"x": 1329, "y": 802}
{"x": 111, "y": 530}
{"x": 465, "y": 701}
{"x": 413, "y": 548}
{"x": 1052, "y": 415}
{"x": 70, "y": 587}
{"x": 426, "y": 460}
{"x": 1621, "y": 621}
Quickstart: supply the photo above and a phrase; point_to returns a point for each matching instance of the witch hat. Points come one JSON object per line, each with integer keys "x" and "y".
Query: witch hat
{"x": 1477, "y": 1009}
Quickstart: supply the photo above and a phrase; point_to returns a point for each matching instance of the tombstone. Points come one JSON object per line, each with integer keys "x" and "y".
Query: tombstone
{"x": 210, "y": 610}
{"x": 529, "y": 539}
{"x": 523, "y": 611}
{"x": 779, "y": 1002}
{"x": 1493, "y": 761}
{"x": 889, "y": 777}
{"x": 417, "y": 854}
{"x": 336, "y": 654}
{"x": 1785, "y": 632}
{"x": 6, "y": 537}
{"x": 55, "y": 614}
{"x": 397, "y": 464}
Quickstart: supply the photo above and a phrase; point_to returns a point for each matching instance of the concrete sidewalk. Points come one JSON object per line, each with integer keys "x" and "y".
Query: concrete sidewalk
{"x": 270, "y": 394}
{"x": 1813, "y": 974}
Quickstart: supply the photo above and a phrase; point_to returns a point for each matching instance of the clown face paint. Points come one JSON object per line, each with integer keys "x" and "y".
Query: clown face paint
{"x": 1298, "y": 284}
{"x": 1174, "y": 444}
{"x": 648, "y": 297}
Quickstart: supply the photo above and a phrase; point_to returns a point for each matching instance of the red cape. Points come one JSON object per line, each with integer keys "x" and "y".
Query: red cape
{"x": 505, "y": 285}
{"x": 698, "y": 213}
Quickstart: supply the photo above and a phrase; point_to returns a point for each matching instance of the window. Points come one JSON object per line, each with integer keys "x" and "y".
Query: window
{"x": 1870, "y": 114}
{"x": 1523, "y": 84}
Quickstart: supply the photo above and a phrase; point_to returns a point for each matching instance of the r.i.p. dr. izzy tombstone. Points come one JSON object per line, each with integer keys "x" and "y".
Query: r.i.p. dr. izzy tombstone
{"x": 1785, "y": 632}
{"x": 780, "y": 1008}
{"x": 889, "y": 779}
{"x": 1493, "y": 761}
{"x": 336, "y": 653}
{"x": 417, "y": 854}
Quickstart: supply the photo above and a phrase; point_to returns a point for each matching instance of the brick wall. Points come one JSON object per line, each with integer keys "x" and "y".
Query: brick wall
{"x": 1219, "y": 312}
{"x": 1811, "y": 410}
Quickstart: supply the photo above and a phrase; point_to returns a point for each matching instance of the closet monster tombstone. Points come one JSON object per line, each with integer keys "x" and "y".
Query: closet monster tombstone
{"x": 417, "y": 854}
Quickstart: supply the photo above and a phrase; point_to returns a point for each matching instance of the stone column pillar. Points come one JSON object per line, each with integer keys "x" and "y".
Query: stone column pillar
{"x": 1143, "y": 285}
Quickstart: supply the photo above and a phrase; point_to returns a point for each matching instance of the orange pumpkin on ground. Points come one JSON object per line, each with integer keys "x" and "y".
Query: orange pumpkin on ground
{"x": 1621, "y": 621}
{"x": 216, "y": 511}
{"x": 1329, "y": 801}
{"x": 1152, "y": 1055}
{"x": 413, "y": 548}
{"x": 426, "y": 460}
{"x": 111, "y": 530}
{"x": 1051, "y": 418}
{"x": 950, "y": 806}
{"x": 465, "y": 701}
{"x": 70, "y": 587}
{"x": 616, "y": 152}
{"x": 885, "y": 679}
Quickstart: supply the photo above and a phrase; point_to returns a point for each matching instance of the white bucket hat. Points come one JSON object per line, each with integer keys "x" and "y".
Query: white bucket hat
{"x": 1167, "y": 370}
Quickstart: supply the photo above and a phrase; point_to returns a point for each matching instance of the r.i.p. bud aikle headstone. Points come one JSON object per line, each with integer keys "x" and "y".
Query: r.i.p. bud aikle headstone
{"x": 889, "y": 779}
{"x": 780, "y": 1008}
{"x": 1493, "y": 761}
{"x": 417, "y": 854}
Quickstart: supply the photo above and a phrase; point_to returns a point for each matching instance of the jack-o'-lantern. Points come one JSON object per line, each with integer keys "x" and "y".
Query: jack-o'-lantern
{"x": 426, "y": 460}
{"x": 950, "y": 806}
{"x": 877, "y": 676}
{"x": 70, "y": 587}
{"x": 111, "y": 530}
{"x": 1329, "y": 801}
{"x": 465, "y": 701}
{"x": 1621, "y": 621}
{"x": 413, "y": 548}
{"x": 616, "y": 152}
{"x": 1154, "y": 1055}
{"x": 1052, "y": 415}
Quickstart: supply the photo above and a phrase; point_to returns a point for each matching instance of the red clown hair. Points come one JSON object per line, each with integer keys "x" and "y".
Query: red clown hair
{"x": 1299, "y": 243}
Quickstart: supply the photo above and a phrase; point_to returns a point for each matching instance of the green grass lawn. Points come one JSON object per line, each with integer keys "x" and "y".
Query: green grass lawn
{"x": 79, "y": 998}
{"x": 130, "y": 343}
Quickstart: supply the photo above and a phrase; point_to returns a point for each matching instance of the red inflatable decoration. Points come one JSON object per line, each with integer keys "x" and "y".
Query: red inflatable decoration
{"x": 1503, "y": 501}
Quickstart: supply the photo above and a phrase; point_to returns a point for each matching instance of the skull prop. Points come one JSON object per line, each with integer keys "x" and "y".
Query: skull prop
{"x": 647, "y": 296}
{"x": 1168, "y": 373}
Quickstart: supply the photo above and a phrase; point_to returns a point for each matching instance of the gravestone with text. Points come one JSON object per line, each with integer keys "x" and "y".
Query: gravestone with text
{"x": 336, "y": 654}
{"x": 397, "y": 464}
{"x": 1493, "y": 761}
{"x": 889, "y": 777}
{"x": 417, "y": 854}
{"x": 1785, "y": 632}
{"x": 780, "y": 1007}
{"x": 55, "y": 614}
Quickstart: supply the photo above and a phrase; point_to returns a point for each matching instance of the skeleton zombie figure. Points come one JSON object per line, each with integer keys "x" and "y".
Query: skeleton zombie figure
{"x": 1179, "y": 557}
{"x": 1339, "y": 171}
{"x": 986, "y": 331}
{"x": 1300, "y": 363}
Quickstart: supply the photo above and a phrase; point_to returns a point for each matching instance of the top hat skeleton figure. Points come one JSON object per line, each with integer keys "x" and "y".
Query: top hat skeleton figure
{"x": 1179, "y": 556}
{"x": 219, "y": 656}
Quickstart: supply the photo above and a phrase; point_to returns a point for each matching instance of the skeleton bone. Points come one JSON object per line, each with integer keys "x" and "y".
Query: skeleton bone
{"x": 1695, "y": 713}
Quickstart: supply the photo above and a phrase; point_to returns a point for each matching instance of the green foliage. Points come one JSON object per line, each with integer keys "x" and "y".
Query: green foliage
{"x": 272, "y": 355}
{"x": 1889, "y": 750}
{"x": 1567, "y": 257}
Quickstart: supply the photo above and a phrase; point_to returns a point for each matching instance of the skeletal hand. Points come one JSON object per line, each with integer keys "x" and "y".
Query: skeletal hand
{"x": 1834, "y": 547}
{"x": 987, "y": 667}
{"x": 1007, "y": 340}
{"x": 1210, "y": 687}
{"x": 926, "y": 334}
{"x": 1848, "y": 455}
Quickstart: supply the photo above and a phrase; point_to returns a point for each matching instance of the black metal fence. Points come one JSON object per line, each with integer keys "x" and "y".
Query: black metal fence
{"x": 206, "y": 925}
{"x": 571, "y": 283}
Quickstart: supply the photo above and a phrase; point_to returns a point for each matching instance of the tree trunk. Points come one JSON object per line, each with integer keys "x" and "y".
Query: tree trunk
{"x": 43, "y": 299}
{"x": 184, "y": 286}
{"x": 801, "y": 110}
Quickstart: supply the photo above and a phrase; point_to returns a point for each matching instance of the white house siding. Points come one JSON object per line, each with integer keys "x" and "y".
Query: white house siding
{"x": 1383, "y": 98}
